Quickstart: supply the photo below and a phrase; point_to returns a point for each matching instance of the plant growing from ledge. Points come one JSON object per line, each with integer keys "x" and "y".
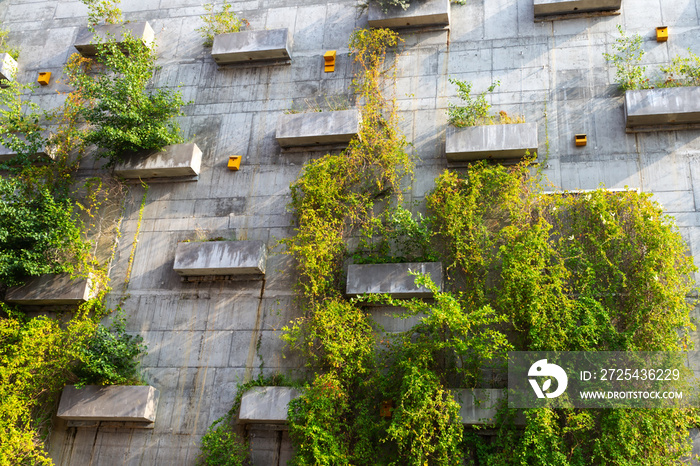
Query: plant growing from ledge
{"x": 105, "y": 11}
{"x": 475, "y": 110}
{"x": 5, "y": 47}
{"x": 627, "y": 58}
{"x": 683, "y": 71}
{"x": 220, "y": 22}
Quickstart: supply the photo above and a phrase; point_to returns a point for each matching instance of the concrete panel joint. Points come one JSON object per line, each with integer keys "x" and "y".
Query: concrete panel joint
{"x": 266, "y": 405}
{"x": 86, "y": 41}
{"x": 8, "y": 67}
{"x": 564, "y": 7}
{"x": 252, "y": 46}
{"x": 174, "y": 161}
{"x": 419, "y": 14}
{"x": 666, "y": 108}
{"x": 239, "y": 258}
{"x": 51, "y": 289}
{"x": 316, "y": 128}
{"x": 394, "y": 280}
{"x": 490, "y": 141}
{"x": 135, "y": 404}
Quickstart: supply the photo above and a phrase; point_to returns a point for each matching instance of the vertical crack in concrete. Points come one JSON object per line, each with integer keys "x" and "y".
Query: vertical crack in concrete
{"x": 252, "y": 347}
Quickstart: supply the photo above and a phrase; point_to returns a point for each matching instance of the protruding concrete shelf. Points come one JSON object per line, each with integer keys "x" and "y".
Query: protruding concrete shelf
{"x": 252, "y": 46}
{"x": 565, "y": 7}
{"x": 392, "y": 279}
{"x": 490, "y": 141}
{"x": 8, "y": 67}
{"x": 419, "y": 14}
{"x": 51, "y": 289}
{"x": 86, "y": 40}
{"x": 665, "y": 108}
{"x": 177, "y": 160}
{"x": 239, "y": 258}
{"x": 317, "y": 128}
{"x": 8, "y": 154}
{"x": 266, "y": 405}
{"x": 478, "y": 406}
{"x": 115, "y": 403}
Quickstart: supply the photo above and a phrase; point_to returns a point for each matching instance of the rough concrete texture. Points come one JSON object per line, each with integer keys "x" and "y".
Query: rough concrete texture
{"x": 8, "y": 67}
{"x": 134, "y": 403}
{"x": 250, "y": 46}
{"x": 7, "y": 154}
{"x": 424, "y": 13}
{"x": 560, "y": 7}
{"x": 221, "y": 258}
{"x": 666, "y": 106}
{"x": 203, "y": 337}
{"x": 392, "y": 279}
{"x": 490, "y": 141}
{"x": 86, "y": 40}
{"x": 56, "y": 289}
{"x": 177, "y": 160}
{"x": 308, "y": 129}
{"x": 266, "y": 404}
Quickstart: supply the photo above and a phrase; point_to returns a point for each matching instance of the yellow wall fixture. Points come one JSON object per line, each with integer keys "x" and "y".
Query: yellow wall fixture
{"x": 580, "y": 139}
{"x": 234, "y": 162}
{"x": 662, "y": 34}
{"x": 44, "y": 78}
{"x": 386, "y": 408}
{"x": 329, "y": 61}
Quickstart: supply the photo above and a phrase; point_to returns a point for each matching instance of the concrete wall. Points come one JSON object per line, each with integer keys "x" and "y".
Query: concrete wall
{"x": 203, "y": 338}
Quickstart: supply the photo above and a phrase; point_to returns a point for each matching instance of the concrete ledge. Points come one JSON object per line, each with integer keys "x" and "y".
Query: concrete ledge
{"x": 130, "y": 403}
{"x": 8, "y": 67}
{"x": 51, "y": 289}
{"x": 562, "y": 7}
{"x": 666, "y": 106}
{"x": 420, "y": 13}
{"x": 266, "y": 404}
{"x": 221, "y": 258}
{"x": 490, "y": 141}
{"x": 86, "y": 40}
{"x": 392, "y": 279}
{"x": 8, "y": 154}
{"x": 250, "y": 46}
{"x": 176, "y": 160}
{"x": 316, "y": 128}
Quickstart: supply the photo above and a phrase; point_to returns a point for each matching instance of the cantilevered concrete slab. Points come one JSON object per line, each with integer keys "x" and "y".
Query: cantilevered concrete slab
{"x": 51, "y": 289}
{"x": 86, "y": 40}
{"x": 317, "y": 128}
{"x": 177, "y": 160}
{"x": 132, "y": 403}
{"x": 266, "y": 405}
{"x": 392, "y": 279}
{"x": 420, "y": 13}
{"x": 252, "y": 46}
{"x": 490, "y": 141}
{"x": 665, "y": 106}
{"x": 563, "y": 7}
{"x": 221, "y": 258}
{"x": 8, "y": 67}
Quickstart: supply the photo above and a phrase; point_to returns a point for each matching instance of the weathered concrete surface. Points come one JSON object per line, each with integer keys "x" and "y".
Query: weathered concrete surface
{"x": 266, "y": 404}
{"x": 392, "y": 279}
{"x": 480, "y": 406}
{"x": 250, "y": 46}
{"x": 86, "y": 40}
{"x": 421, "y": 13}
{"x": 560, "y": 7}
{"x": 312, "y": 128}
{"x": 666, "y": 106}
{"x": 176, "y": 160}
{"x": 56, "y": 289}
{"x": 133, "y": 403}
{"x": 221, "y": 258}
{"x": 8, "y": 67}
{"x": 8, "y": 154}
{"x": 490, "y": 141}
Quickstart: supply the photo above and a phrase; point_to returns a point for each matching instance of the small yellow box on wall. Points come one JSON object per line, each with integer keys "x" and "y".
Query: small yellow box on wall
{"x": 580, "y": 139}
{"x": 44, "y": 78}
{"x": 234, "y": 162}
{"x": 329, "y": 61}
{"x": 662, "y": 34}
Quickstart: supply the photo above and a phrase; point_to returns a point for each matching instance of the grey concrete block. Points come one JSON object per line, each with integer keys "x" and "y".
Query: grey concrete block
{"x": 478, "y": 406}
{"x": 221, "y": 258}
{"x": 173, "y": 161}
{"x": 250, "y": 46}
{"x": 313, "y": 128}
{"x": 8, "y": 67}
{"x": 51, "y": 289}
{"x": 422, "y": 13}
{"x": 86, "y": 40}
{"x": 132, "y": 403}
{"x": 490, "y": 141}
{"x": 7, "y": 154}
{"x": 392, "y": 279}
{"x": 562, "y": 7}
{"x": 266, "y": 404}
{"x": 666, "y": 106}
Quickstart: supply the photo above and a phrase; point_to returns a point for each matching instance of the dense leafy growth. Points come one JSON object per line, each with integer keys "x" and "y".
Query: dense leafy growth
{"x": 220, "y": 22}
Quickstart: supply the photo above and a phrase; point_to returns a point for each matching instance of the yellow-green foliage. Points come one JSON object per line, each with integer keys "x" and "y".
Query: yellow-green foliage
{"x": 220, "y": 22}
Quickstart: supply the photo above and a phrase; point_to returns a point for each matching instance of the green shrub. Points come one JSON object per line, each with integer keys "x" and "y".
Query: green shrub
{"x": 627, "y": 58}
{"x": 5, "y": 47}
{"x": 103, "y": 10}
{"x": 220, "y": 22}
{"x": 683, "y": 71}
{"x": 221, "y": 446}
{"x": 475, "y": 110}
